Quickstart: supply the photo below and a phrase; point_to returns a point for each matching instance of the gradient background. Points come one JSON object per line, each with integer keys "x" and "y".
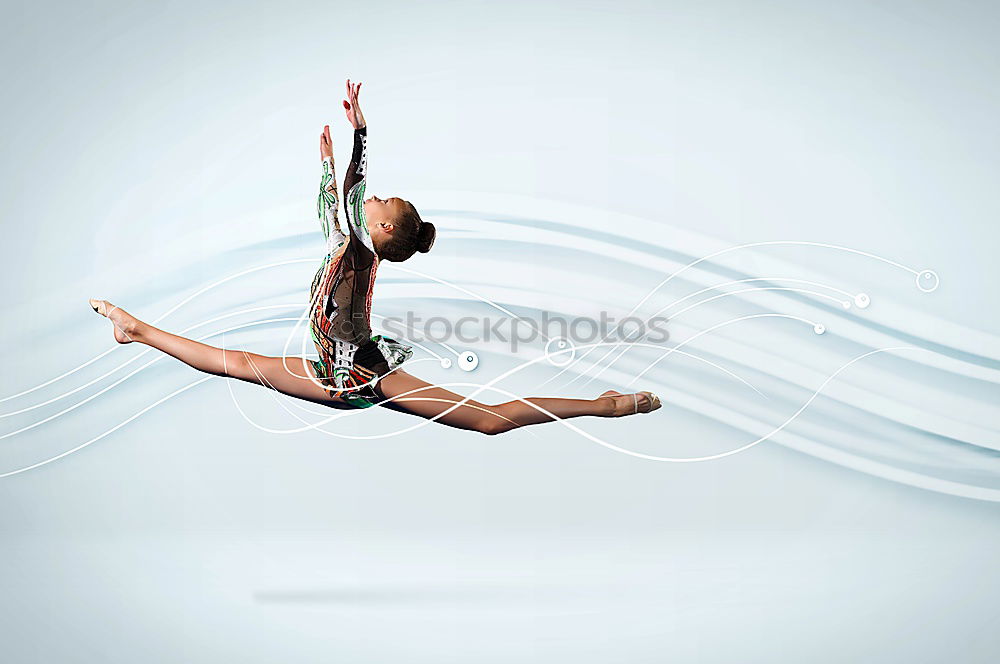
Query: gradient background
{"x": 149, "y": 150}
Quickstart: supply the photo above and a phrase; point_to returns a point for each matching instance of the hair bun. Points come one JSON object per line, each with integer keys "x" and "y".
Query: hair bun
{"x": 425, "y": 236}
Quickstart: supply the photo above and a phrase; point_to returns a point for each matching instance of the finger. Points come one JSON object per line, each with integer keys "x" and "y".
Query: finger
{"x": 358, "y": 91}
{"x": 348, "y": 88}
{"x": 347, "y": 105}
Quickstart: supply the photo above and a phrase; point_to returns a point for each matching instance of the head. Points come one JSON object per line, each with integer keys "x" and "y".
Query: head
{"x": 397, "y": 230}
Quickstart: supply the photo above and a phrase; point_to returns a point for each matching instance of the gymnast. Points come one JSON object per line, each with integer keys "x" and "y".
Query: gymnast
{"x": 356, "y": 369}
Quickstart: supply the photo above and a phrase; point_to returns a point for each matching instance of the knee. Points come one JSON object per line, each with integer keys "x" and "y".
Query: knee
{"x": 492, "y": 427}
{"x": 493, "y": 423}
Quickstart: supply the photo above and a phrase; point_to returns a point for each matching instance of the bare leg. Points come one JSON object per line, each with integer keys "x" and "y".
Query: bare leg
{"x": 412, "y": 395}
{"x": 408, "y": 393}
{"x": 286, "y": 375}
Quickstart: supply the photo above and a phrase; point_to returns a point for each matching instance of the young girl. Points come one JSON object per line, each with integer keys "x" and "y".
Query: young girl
{"x": 354, "y": 368}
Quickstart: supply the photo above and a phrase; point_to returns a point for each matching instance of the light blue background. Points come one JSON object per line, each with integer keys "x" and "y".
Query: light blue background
{"x": 151, "y": 149}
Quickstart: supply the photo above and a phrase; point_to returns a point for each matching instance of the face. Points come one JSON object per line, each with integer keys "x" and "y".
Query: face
{"x": 381, "y": 214}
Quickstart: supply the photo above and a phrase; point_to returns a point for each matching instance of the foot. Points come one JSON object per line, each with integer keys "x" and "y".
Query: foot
{"x": 125, "y": 323}
{"x": 631, "y": 404}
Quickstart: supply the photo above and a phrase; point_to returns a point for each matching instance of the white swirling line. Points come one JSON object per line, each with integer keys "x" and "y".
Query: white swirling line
{"x": 979, "y": 492}
{"x": 490, "y": 302}
{"x": 489, "y": 385}
{"x": 208, "y": 336}
{"x": 758, "y": 244}
{"x": 285, "y": 355}
{"x": 628, "y": 343}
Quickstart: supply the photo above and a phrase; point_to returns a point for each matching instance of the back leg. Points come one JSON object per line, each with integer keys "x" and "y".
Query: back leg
{"x": 418, "y": 397}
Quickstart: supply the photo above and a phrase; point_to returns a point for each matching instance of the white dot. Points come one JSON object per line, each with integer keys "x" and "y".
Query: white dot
{"x": 928, "y": 281}
{"x": 468, "y": 360}
{"x": 862, "y": 300}
{"x": 819, "y": 328}
{"x": 445, "y": 363}
{"x": 560, "y": 351}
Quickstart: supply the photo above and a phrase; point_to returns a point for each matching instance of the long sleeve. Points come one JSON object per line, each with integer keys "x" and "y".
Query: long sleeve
{"x": 326, "y": 207}
{"x": 354, "y": 205}
{"x": 352, "y": 328}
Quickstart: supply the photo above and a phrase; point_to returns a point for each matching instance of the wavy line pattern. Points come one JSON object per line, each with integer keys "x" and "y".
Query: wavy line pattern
{"x": 872, "y": 381}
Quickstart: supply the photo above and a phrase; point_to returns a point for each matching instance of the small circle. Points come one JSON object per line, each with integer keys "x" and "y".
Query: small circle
{"x": 928, "y": 281}
{"x": 862, "y": 300}
{"x": 819, "y": 328}
{"x": 468, "y": 360}
{"x": 560, "y": 351}
{"x": 846, "y": 304}
{"x": 445, "y": 363}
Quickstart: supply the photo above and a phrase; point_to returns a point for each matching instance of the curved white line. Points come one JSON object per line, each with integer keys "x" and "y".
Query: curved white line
{"x": 535, "y": 361}
{"x": 109, "y": 431}
{"x": 481, "y": 387}
{"x": 747, "y": 246}
{"x": 940, "y": 485}
{"x": 754, "y": 443}
{"x": 714, "y": 327}
{"x": 144, "y": 352}
{"x": 318, "y": 427}
{"x": 684, "y": 310}
{"x": 161, "y": 317}
{"x": 467, "y": 292}
{"x": 764, "y": 244}
{"x": 331, "y": 417}
{"x": 743, "y": 281}
{"x": 127, "y": 376}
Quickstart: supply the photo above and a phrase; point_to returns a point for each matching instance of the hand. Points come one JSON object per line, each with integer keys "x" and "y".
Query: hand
{"x": 354, "y": 115}
{"x": 325, "y": 144}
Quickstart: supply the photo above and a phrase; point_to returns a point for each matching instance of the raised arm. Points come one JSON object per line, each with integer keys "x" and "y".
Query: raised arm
{"x": 354, "y": 181}
{"x": 328, "y": 198}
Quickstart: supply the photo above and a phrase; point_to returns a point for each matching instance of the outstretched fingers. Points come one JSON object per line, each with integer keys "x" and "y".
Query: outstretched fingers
{"x": 351, "y": 107}
{"x": 352, "y": 92}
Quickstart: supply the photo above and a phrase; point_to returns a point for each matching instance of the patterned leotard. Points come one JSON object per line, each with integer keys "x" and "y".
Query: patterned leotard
{"x": 351, "y": 360}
